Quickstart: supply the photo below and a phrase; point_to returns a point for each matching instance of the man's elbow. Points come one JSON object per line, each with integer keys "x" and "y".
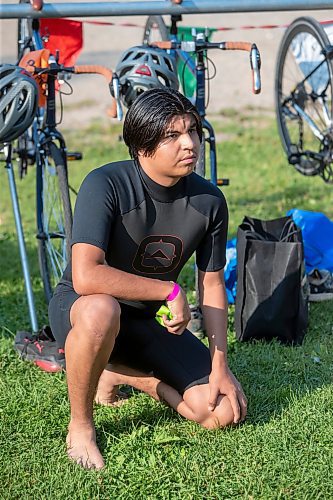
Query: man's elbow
{"x": 81, "y": 283}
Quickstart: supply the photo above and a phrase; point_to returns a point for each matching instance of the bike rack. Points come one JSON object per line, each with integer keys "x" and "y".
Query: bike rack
{"x": 96, "y": 9}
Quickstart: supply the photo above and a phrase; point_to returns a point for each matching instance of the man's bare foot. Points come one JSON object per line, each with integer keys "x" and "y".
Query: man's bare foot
{"x": 82, "y": 447}
{"x": 107, "y": 392}
{"x": 113, "y": 397}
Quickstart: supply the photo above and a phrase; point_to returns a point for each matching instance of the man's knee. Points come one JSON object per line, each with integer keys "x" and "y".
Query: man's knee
{"x": 98, "y": 314}
{"x": 197, "y": 399}
{"x": 221, "y": 416}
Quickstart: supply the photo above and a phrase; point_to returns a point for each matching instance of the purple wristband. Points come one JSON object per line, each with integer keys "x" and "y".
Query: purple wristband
{"x": 174, "y": 293}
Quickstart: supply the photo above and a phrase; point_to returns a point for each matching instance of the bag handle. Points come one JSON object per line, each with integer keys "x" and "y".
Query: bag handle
{"x": 254, "y": 235}
{"x": 288, "y": 230}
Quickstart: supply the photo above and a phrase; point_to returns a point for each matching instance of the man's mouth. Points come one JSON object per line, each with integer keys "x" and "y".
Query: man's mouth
{"x": 189, "y": 159}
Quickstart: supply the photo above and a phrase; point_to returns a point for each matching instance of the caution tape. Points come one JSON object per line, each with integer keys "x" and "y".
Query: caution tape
{"x": 222, "y": 28}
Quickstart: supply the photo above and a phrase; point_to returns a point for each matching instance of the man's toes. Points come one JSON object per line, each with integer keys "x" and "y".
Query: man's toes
{"x": 86, "y": 459}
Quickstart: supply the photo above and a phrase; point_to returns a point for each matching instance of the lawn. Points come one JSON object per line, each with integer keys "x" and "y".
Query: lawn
{"x": 283, "y": 450}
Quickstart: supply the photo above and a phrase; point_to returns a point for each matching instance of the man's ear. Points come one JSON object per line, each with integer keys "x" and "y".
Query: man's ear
{"x": 142, "y": 154}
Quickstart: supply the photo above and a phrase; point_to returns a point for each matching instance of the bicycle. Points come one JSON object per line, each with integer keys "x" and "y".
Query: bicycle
{"x": 304, "y": 98}
{"x": 193, "y": 55}
{"x": 44, "y": 145}
{"x": 47, "y": 149}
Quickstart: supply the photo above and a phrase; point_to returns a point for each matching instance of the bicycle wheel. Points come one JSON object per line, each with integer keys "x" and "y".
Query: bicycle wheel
{"x": 54, "y": 216}
{"x": 155, "y": 30}
{"x": 303, "y": 95}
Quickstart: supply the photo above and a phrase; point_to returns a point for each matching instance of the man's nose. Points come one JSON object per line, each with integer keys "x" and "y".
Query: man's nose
{"x": 187, "y": 141}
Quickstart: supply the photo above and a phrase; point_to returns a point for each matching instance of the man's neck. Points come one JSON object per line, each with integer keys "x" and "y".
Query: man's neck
{"x": 159, "y": 179}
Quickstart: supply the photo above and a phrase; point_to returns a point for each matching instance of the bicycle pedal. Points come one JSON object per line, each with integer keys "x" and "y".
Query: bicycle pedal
{"x": 223, "y": 182}
{"x": 293, "y": 159}
{"x": 73, "y": 156}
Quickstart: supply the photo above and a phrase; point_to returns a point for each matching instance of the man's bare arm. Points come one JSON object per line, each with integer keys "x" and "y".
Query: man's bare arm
{"x": 215, "y": 310}
{"x": 92, "y": 275}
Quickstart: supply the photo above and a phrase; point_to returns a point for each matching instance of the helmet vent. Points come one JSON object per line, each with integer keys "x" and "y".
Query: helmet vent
{"x": 138, "y": 55}
{"x": 168, "y": 63}
{"x": 143, "y": 69}
{"x": 162, "y": 79}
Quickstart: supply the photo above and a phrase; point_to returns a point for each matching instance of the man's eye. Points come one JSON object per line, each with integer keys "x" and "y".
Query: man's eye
{"x": 192, "y": 130}
{"x": 172, "y": 135}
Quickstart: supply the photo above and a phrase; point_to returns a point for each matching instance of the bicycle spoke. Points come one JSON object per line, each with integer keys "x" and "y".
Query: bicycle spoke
{"x": 53, "y": 222}
{"x": 313, "y": 107}
{"x": 304, "y": 97}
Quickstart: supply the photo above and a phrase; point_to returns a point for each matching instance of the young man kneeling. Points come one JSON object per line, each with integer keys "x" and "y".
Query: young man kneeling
{"x": 136, "y": 224}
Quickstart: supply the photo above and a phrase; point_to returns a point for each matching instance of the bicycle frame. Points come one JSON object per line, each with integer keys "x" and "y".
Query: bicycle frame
{"x": 20, "y": 238}
{"x": 200, "y": 70}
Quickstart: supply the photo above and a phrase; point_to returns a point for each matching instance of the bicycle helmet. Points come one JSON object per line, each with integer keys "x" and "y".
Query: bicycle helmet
{"x": 18, "y": 101}
{"x": 141, "y": 68}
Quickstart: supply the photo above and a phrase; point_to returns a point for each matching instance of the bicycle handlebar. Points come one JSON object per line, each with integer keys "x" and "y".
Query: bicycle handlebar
{"x": 198, "y": 45}
{"x": 107, "y": 73}
{"x": 115, "y": 110}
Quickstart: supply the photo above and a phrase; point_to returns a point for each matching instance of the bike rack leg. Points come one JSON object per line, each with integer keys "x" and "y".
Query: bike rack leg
{"x": 21, "y": 242}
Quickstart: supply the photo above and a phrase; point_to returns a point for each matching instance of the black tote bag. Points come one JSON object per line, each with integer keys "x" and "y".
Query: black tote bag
{"x": 271, "y": 299}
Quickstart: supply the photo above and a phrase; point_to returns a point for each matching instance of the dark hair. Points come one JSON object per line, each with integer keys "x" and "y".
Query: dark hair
{"x": 150, "y": 115}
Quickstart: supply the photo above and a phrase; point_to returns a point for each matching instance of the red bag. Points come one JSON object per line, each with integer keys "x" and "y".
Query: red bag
{"x": 63, "y": 35}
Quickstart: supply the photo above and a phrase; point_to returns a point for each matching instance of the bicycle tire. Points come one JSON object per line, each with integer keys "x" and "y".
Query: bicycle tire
{"x": 155, "y": 25}
{"x": 54, "y": 216}
{"x": 302, "y": 93}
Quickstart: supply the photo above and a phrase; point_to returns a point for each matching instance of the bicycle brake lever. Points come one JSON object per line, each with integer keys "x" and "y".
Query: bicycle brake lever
{"x": 255, "y": 62}
{"x": 115, "y": 92}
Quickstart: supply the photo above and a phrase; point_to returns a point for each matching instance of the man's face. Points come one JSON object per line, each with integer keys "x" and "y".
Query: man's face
{"x": 177, "y": 153}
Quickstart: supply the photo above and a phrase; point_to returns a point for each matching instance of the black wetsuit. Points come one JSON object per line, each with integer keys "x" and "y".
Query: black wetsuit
{"x": 148, "y": 230}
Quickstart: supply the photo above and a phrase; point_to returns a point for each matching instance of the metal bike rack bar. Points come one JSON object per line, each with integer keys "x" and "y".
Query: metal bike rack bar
{"x": 96, "y": 9}
{"x": 21, "y": 242}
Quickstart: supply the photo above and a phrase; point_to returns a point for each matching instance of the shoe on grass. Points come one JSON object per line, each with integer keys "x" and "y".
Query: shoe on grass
{"x": 196, "y": 324}
{"x": 321, "y": 285}
{"x": 41, "y": 349}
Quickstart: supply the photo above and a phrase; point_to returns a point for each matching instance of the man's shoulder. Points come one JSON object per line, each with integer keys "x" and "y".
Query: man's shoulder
{"x": 118, "y": 176}
{"x": 198, "y": 185}
{"x": 117, "y": 182}
{"x": 115, "y": 170}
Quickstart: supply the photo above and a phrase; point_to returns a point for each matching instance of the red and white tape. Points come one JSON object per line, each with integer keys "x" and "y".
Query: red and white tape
{"x": 222, "y": 28}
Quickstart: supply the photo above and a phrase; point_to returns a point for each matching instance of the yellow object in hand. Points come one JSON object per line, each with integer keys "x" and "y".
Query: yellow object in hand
{"x": 163, "y": 310}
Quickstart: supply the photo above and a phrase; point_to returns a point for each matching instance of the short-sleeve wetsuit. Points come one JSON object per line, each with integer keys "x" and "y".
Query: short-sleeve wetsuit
{"x": 148, "y": 230}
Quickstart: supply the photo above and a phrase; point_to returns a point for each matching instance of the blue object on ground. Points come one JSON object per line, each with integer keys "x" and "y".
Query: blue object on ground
{"x": 230, "y": 271}
{"x": 317, "y": 231}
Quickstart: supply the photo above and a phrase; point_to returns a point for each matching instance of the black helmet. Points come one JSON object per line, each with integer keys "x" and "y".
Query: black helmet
{"x": 141, "y": 68}
{"x": 18, "y": 101}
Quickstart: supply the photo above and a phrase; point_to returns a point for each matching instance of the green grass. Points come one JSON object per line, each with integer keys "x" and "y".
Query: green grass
{"x": 284, "y": 450}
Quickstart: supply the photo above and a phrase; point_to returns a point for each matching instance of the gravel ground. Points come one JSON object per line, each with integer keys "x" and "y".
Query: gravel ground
{"x": 231, "y": 88}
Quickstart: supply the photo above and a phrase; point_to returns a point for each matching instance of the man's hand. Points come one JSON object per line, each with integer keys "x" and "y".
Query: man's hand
{"x": 223, "y": 382}
{"x": 181, "y": 314}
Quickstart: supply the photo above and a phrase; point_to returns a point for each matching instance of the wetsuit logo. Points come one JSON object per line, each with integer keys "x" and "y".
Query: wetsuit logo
{"x": 158, "y": 254}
